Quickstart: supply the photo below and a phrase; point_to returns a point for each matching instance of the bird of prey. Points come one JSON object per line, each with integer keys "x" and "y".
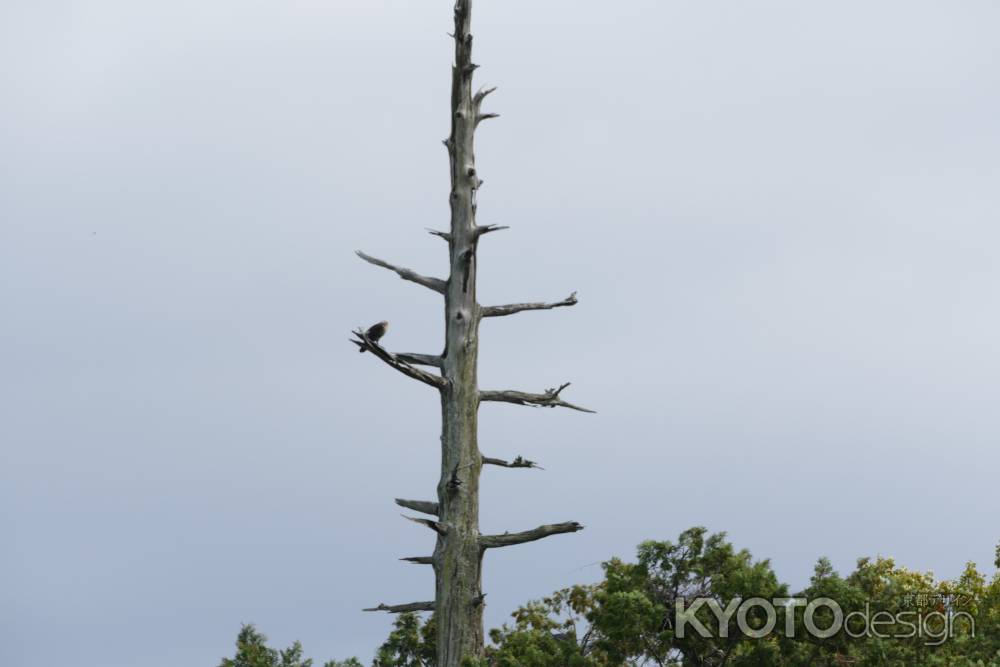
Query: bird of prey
{"x": 375, "y": 333}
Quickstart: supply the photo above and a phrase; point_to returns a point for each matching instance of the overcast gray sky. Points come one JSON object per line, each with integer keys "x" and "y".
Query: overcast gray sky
{"x": 781, "y": 218}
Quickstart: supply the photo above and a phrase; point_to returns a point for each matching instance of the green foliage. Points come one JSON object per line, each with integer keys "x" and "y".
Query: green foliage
{"x": 546, "y": 633}
{"x": 636, "y": 604}
{"x": 410, "y": 644}
{"x": 252, "y": 651}
{"x": 627, "y": 619}
{"x": 880, "y": 586}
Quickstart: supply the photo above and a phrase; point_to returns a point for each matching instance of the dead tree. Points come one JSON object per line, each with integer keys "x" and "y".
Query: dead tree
{"x": 458, "y": 555}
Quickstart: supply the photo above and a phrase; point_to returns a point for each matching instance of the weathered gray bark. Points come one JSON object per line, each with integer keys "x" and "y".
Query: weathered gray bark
{"x": 403, "y": 608}
{"x": 458, "y": 554}
{"x": 425, "y": 506}
{"x": 510, "y": 309}
{"x": 519, "y": 462}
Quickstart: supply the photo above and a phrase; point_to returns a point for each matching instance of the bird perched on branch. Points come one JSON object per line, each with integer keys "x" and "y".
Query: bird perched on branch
{"x": 375, "y": 333}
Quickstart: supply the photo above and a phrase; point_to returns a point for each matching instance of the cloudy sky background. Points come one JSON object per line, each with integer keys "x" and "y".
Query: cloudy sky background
{"x": 781, "y": 218}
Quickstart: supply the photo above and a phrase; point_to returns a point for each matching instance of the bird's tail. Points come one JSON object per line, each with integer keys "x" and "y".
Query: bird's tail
{"x": 362, "y": 349}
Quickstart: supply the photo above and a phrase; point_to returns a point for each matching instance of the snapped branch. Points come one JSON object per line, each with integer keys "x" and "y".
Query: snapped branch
{"x": 425, "y": 506}
{"x": 436, "y": 284}
{"x": 365, "y": 343}
{"x": 519, "y": 462}
{"x": 510, "y": 309}
{"x": 403, "y": 608}
{"x": 477, "y": 106}
{"x": 486, "y": 229}
{"x": 485, "y": 116}
{"x": 433, "y": 525}
{"x": 415, "y": 359}
{"x": 434, "y": 232}
{"x": 419, "y": 560}
{"x": 511, "y": 539}
{"x": 550, "y": 399}
{"x": 481, "y": 95}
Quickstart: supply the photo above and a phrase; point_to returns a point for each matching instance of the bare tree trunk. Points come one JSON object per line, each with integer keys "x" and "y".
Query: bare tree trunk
{"x": 458, "y": 555}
